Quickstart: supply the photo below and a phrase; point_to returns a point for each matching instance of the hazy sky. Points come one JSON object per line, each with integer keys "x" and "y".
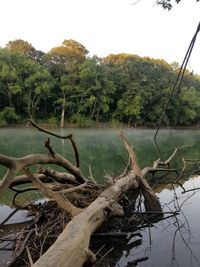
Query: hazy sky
{"x": 104, "y": 26}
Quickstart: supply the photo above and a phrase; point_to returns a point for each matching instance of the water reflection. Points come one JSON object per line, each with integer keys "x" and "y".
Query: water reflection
{"x": 171, "y": 242}
{"x": 101, "y": 148}
{"x": 174, "y": 241}
{"x": 8, "y": 233}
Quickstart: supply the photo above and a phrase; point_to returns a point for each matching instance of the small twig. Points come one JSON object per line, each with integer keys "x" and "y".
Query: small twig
{"x": 99, "y": 250}
{"x": 22, "y": 247}
{"x": 29, "y": 255}
{"x": 154, "y": 212}
{"x": 9, "y": 216}
{"x": 190, "y": 190}
{"x": 125, "y": 164}
{"x": 127, "y": 167}
{"x": 76, "y": 155}
{"x": 91, "y": 175}
{"x": 105, "y": 255}
{"x": 166, "y": 162}
{"x": 49, "y": 147}
{"x": 135, "y": 262}
{"x": 20, "y": 191}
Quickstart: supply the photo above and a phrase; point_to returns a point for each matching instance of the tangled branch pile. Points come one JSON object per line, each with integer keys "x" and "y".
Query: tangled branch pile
{"x": 61, "y": 230}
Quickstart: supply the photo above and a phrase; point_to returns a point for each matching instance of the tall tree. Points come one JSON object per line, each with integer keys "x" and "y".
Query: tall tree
{"x": 63, "y": 62}
{"x": 9, "y": 79}
{"x": 37, "y": 86}
{"x": 23, "y": 82}
{"x": 69, "y": 51}
{"x": 25, "y": 48}
{"x": 96, "y": 90}
{"x": 68, "y": 84}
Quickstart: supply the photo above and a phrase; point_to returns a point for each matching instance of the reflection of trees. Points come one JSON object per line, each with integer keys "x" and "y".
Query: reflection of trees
{"x": 128, "y": 250}
{"x": 182, "y": 224}
{"x": 92, "y": 153}
{"x": 105, "y": 146}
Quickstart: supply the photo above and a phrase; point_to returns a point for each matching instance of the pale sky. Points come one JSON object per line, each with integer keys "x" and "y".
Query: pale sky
{"x": 105, "y": 26}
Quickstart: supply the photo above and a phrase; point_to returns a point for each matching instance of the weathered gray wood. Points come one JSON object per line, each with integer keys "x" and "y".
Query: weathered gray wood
{"x": 71, "y": 247}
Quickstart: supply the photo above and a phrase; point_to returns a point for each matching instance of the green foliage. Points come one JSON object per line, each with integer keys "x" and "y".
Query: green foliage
{"x": 96, "y": 90}
{"x": 64, "y": 83}
{"x": 81, "y": 121}
{"x": 60, "y": 56}
{"x": 8, "y": 115}
{"x": 24, "y": 48}
{"x": 115, "y": 123}
{"x": 24, "y": 82}
{"x": 2, "y": 122}
{"x": 52, "y": 121}
{"x": 190, "y": 104}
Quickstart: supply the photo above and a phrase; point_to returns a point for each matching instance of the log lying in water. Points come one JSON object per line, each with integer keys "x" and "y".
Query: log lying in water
{"x": 72, "y": 246}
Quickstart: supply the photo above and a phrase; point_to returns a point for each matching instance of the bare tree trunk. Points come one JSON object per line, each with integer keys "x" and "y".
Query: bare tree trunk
{"x": 62, "y": 121}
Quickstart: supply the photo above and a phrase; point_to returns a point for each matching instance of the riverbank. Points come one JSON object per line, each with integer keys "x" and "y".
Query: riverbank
{"x": 96, "y": 125}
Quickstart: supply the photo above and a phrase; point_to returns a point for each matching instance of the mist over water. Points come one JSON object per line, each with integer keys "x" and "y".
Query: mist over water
{"x": 103, "y": 150}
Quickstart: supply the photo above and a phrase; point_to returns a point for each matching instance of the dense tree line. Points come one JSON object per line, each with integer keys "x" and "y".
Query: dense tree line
{"x": 66, "y": 84}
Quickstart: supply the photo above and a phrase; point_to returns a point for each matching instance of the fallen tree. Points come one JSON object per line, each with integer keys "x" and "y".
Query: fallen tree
{"x": 72, "y": 246}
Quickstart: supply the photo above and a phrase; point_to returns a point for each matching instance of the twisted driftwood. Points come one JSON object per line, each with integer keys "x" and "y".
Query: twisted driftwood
{"x": 72, "y": 246}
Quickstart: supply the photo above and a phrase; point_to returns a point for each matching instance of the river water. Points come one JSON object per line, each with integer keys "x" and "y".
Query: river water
{"x": 171, "y": 242}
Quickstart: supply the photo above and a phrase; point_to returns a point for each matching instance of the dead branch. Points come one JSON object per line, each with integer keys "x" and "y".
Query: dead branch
{"x": 69, "y": 137}
{"x": 46, "y": 176}
{"x": 158, "y": 163}
{"x": 29, "y": 256}
{"x": 22, "y": 247}
{"x": 151, "y": 201}
{"x": 185, "y": 163}
{"x": 73, "y": 143}
{"x": 73, "y": 189}
{"x": 91, "y": 175}
{"x": 132, "y": 155}
{"x": 16, "y": 165}
{"x": 72, "y": 246}
{"x": 49, "y": 147}
{"x": 58, "y": 176}
{"x": 61, "y": 201}
{"x": 24, "y": 179}
{"x": 9, "y": 216}
{"x": 31, "y": 122}
{"x": 76, "y": 235}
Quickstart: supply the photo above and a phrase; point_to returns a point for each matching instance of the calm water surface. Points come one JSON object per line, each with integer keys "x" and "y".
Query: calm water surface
{"x": 102, "y": 149}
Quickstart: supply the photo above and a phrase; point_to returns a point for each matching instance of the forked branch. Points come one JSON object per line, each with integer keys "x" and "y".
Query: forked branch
{"x": 69, "y": 137}
{"x": 15, "y": 165}
{"x": 61, "y": 201}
